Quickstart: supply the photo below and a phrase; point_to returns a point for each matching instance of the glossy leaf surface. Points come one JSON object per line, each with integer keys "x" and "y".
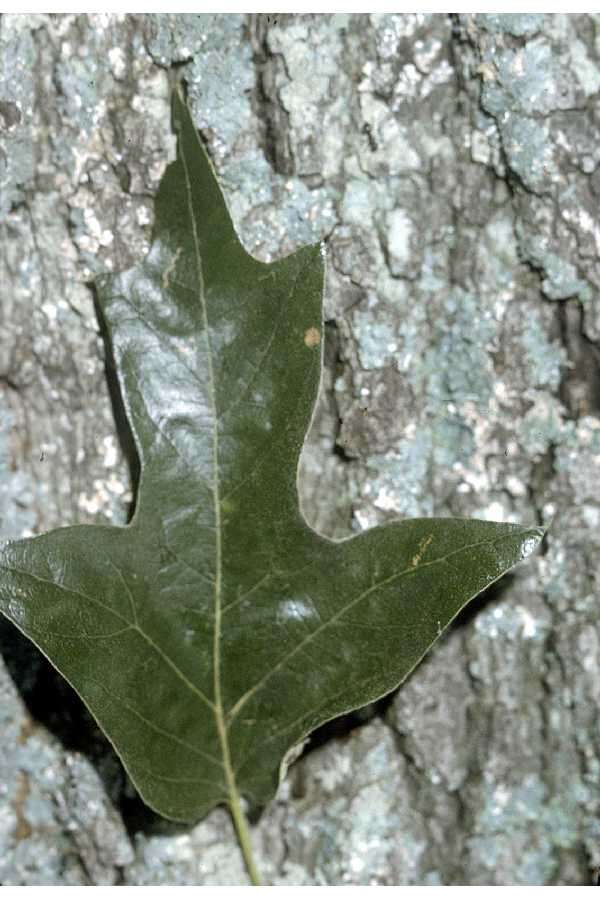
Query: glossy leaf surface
{"x": 216, "y": 630}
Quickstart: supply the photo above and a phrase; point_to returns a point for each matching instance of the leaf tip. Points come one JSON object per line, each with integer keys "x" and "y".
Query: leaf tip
{"x": 532, "y": 538}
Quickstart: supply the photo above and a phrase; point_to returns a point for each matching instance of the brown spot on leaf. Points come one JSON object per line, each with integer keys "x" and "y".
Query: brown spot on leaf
{"x": 312, "y": 337}
{"x": 423, "y": 545}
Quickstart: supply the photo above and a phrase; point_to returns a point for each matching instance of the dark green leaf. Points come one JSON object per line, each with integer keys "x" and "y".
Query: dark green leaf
{"x": 217, "y": 630}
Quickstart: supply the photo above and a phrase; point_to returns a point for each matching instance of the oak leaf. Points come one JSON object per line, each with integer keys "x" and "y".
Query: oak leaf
{"x": 217, "y": 630}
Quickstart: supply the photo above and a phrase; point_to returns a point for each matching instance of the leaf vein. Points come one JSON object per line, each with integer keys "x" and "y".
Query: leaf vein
{"x": 157, "y": 728}
{"x": 244, "y": 390}
{"x": 62, "y": 587}
{"x": 175, "y": 668}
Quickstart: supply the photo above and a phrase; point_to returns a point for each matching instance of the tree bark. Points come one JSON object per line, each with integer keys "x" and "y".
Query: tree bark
{"x": 452, "y": 166}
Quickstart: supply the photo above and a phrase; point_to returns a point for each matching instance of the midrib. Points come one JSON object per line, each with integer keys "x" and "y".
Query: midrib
{"x": 218, "y": 700}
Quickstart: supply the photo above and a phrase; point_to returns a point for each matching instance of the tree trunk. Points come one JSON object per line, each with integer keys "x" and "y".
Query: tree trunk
{"x": 452, "y": 165}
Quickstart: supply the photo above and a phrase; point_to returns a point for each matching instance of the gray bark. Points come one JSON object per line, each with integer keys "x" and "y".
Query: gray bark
{"x": 453, "y": 165}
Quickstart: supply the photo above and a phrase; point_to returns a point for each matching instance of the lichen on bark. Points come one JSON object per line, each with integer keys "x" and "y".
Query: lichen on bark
{"x": 451, "y": 164}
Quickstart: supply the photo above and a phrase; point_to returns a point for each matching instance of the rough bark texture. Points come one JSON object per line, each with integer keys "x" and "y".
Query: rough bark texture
{"x": 453, "y": 164}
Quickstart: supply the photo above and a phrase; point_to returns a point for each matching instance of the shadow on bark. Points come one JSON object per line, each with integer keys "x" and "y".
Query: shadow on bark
{"x": 124, "y": 433}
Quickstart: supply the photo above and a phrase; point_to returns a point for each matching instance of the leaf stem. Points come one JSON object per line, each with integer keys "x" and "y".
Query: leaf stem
{"x": 243, "y": 834}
